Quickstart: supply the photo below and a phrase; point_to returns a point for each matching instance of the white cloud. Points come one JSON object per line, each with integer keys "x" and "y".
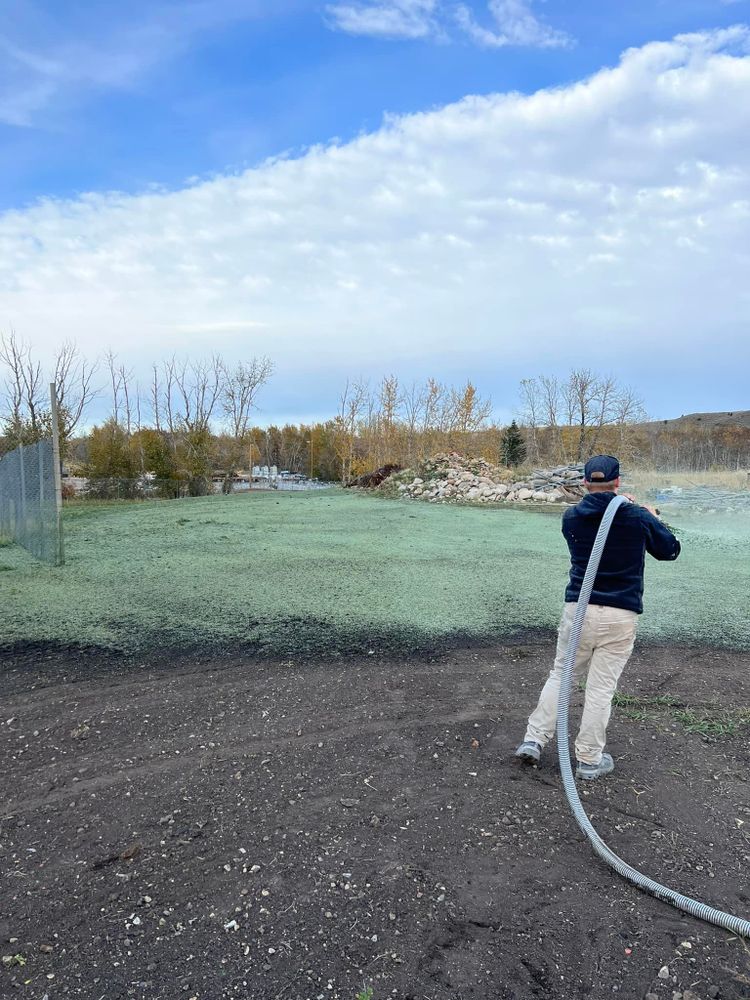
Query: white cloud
{"x": 46, "y": 59}
{"x": 605, "y": 223}
{"x": 385, "y": 18}
{"x": 515, "y": 24}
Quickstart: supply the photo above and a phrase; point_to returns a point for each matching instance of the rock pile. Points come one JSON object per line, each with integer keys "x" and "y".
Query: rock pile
{"x": 454, "y": 479}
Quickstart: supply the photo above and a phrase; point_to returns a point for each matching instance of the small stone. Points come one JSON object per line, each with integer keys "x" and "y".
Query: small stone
{"x": 689, "y": 995}
{"x": 663, "y": 972}
{"x": 46, "y": 949}
{"x": 349, "y": 803}
{"x": 713, "y": 991}
{"x": 651, "y": 996}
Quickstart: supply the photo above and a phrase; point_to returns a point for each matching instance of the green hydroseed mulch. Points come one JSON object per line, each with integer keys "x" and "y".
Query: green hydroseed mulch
{"x": 334, "y": 571}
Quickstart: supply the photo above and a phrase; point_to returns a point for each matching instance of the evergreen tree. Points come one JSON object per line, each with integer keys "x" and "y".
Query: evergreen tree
{"x": 512, "y": 447}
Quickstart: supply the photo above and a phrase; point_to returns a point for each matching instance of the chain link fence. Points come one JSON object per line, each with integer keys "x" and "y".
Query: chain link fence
{"x": 119, "y": 488}
{"x": 29, "y": 511}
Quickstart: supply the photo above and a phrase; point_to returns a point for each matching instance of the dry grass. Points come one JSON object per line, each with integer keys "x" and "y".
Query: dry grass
{"x": 647, "y": 479}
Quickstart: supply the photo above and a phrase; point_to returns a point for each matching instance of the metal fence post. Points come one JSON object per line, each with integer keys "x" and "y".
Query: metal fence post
{"x": 59, "y": 548}
{"x": 24, "y": 518}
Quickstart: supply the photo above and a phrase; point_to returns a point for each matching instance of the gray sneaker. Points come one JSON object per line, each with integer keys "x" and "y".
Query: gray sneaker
{"x": 590, "y": 772}
{"x": 529, "y": 752}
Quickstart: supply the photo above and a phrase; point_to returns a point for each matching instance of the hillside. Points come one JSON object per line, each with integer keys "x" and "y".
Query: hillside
{"x": 731, "y": 418}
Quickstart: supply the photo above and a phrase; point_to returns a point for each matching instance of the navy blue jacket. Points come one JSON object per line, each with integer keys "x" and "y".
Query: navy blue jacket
{"x": 634, "y": 532}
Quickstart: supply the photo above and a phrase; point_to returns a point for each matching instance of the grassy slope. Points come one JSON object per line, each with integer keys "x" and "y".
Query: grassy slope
{"x": 332, "y": 570}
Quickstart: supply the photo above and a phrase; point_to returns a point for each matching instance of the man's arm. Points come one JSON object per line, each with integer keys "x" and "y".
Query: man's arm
{"x": 660, "y": 542}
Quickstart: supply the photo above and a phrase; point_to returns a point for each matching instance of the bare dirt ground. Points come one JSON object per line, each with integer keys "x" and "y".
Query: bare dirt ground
{"x": 189, "y": 827}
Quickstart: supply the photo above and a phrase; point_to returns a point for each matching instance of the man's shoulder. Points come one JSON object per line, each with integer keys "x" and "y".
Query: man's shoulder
{"x": 570, "y": 516}
{"x": 572, "y": 511}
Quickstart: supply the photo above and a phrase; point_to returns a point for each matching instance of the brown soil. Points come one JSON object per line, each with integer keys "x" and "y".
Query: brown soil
{"x": 204, "y": 829}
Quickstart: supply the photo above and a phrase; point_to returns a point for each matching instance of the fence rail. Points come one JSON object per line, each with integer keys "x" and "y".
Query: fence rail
{"x": 29, "y": 504}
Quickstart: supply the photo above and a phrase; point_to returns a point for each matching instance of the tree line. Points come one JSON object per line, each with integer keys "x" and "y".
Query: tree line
{"x": 192, "y": 420}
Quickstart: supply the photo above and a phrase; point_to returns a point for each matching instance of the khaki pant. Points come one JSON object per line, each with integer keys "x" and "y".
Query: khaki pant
{"x": 606, "y": 644}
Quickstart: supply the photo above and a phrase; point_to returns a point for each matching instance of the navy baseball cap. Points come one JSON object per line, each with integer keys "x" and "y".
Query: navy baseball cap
{"x": 602, "y": 469}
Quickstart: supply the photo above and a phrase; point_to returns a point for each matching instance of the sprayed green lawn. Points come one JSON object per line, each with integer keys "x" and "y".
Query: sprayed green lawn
{"x": 332, "y": 571}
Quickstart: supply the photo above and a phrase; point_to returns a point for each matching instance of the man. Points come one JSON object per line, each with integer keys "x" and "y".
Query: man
{"x": 610, "y": 623}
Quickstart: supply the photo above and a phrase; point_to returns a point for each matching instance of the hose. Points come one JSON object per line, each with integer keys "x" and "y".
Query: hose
{"x": 731, "y": 923}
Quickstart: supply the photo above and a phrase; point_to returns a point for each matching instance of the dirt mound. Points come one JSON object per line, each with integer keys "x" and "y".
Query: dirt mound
{"x": 369, "y": 480}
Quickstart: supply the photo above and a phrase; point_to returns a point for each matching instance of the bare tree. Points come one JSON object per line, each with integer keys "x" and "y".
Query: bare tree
{"x": 585, "y": 404}
{"x": 413, "y": 402}
{"x": 197, "y": 385}
{"x": 122, "y": 392}
{"x": 73, "y": 380}
{"x": 531, "y": 398}
{"x": 351, "y": 408}
{"x": 627, "y": 410}
{"x": 155, "y": 396}
{"x": 28, "y": 417}
{"x": 592, "y": 403}
{"x": 434, "y": 400}
{"x": 389, "y": 401}
{"x": 550, "y": 392}
{"x": 239, "y": 387}
{"x": 168, "y": 391}
{"x": 115, "y": 382}
{"x": 27, "y": 414}
{"x": 190, "y": 395}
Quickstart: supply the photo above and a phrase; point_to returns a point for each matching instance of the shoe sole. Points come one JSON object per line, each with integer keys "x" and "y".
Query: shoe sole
{"x": 528, "y": 758}
{"x": 582, "y": 776}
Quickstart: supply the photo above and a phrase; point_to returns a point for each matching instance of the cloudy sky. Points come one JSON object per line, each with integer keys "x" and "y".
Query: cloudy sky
{"x": 487, "y": 189}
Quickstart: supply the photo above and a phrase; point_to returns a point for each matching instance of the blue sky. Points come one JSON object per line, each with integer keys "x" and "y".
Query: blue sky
{"x": 180, "y": 102}
{"x": 190, "y": 89}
